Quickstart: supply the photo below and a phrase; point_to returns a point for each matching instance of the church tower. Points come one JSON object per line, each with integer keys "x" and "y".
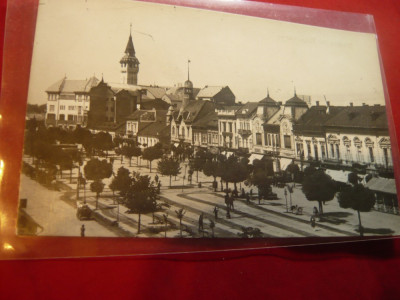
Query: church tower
{"x": 188, "y": 88}
{"x": 129, "y": 64}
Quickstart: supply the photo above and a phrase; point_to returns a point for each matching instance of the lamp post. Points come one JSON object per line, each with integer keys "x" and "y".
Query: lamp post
{"x": 285, "y": 192}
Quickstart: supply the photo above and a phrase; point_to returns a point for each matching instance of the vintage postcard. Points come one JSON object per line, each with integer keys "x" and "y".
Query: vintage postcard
{"x": 158, "y": 121}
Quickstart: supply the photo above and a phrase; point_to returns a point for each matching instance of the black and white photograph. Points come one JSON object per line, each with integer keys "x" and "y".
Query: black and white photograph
{"x": 150, "y": 120}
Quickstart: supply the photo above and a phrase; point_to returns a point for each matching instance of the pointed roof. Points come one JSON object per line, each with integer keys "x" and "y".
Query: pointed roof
{"x": 73, "y": 86}
{"x": 296, "y": 101}
{"x": 129, "y": 47}
{"x": 268, "y": 101}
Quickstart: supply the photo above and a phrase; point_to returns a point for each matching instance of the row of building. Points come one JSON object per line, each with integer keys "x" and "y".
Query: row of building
{"x": 341, "y": 138}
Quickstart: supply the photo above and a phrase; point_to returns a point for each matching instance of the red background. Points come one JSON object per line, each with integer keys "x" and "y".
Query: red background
{"x": 365, "y": 270}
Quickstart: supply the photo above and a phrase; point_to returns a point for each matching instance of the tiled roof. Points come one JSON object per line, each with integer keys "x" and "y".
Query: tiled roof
{"x": 296, "y": 101}
{"x": 247, "y": 109}
{"x": 73, "y": 86}
{"x": 157, "y": 104}
{"x": 209, "y": 121}
{"x": 157, "y": 92}
{"x": 195, "y": 110}
{"x": 316, "y": 117}
{"x": 268, "y": 101}
{"x": 360, "y": 117}
{"x": 155, "y": 129}
{"x": 209, "y": 91}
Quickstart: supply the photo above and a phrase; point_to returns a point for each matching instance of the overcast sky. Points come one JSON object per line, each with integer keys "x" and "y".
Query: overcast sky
{"x": 80, "y": 38}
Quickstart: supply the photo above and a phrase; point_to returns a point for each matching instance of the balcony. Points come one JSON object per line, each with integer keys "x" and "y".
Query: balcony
{"x": 244, "y": 132}
{"x": 225, "y": 134}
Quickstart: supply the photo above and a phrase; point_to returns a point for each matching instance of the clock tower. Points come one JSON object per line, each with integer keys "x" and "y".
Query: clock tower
{"x": 129, "y": 64}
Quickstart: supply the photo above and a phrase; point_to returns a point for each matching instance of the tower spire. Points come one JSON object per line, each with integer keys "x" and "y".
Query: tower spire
{"x": 188, "y": 69}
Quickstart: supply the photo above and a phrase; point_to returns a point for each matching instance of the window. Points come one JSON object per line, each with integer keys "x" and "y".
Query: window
{"x": 71, "y": 107}
{"x": 258, "y": 139}
{"x": 183, "y": 131}
{"x": 51, "y": 116}
{"x": 332, "y": 151}
{"x": 62, "y": 107}
{"x": 359, "y": 155}
{"x": 278, "y": 140}
{"x": 348, "y": 154}
{"x": 269, "y": 140}
{"x": 337, "y": 151}
{"x": 203, "y": 138}
{"x": 386, "y": 154}
{"x": 323, "y": 154}
{"x": 79, "y": 109}
{"x": 70, "y": 117}
{"x": 224, "y": 126}
{"x": 230, "y": 127}
{"x": 273, "y": 140}
{"x": 309, "y": 150}
{"x": 51, "y": 108}
{"x": 315, "y": 151}
{"x": 61, "y": 117}
{"x": 173, "y": 130}
{"x": 287, "y": 142}
{"x": 371, "y": 154}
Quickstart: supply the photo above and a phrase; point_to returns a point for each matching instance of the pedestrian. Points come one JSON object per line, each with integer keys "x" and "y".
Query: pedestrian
{"x": 83, "y": 230}
{"x": 312, "y": 222}
{"x": 247, "y": 198}
{"x": 231, "y": 199}
{"x": 201, "y": 222}
{"x": 243, "y": 193}
{"x": 315, "y": 211}
{"x": 259, "y": 198}
{"x": 227, "y": 199}
{"x": 216, "y": 212}
{"x": 251, "y": 193}
{"x": 228, "y": 214}
{"x": 158, "y": 187}
{"x": 156, "y": 178}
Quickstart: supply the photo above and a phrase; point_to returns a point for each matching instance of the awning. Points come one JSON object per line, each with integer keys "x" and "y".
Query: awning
{"x": 339, "y": 176}
{"x": 254, "y": 157}
{"x": 383, "y": 185}
{"x": 284, "y": 162}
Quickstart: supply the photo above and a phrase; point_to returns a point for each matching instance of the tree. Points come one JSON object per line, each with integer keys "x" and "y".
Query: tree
{"x": 358, "y": 198}
{"x": 169, "y": 166}
{"x": 151, "y": 154}
{"x": 318, "y": 186}
{"x": 141, "y": 196}
{"x": 122, "y": 181}
{"x": 180, "y": 213}
{"x": 130, "y": 151}
{"x": 97, "y": 187}
{"x": 210, "y": 168}
{"x": 103, "y": 142}
{"x": 97, "y": 170}
{"x": 197, "y": 163}
{"x": 261, "y": 176}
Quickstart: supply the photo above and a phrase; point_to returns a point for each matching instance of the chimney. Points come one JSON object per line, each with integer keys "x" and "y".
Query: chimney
{"x": 317, "y": 103}
{"x": 351, "y": 104}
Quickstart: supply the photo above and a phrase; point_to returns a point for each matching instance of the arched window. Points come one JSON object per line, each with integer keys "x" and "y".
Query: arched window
{"x": 173, "y": 130}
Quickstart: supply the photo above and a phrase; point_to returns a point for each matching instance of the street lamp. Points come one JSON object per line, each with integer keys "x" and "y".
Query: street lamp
{"x": 285, "y": 192}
